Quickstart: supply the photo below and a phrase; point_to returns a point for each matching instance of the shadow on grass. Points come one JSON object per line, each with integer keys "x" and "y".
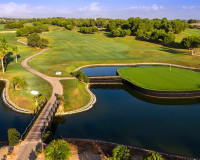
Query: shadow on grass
{"x": 167, "y": 47}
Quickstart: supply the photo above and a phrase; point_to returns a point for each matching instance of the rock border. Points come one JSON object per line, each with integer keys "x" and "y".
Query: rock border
{"x": 93, "y": 100}
{"x": 9, "y": 103}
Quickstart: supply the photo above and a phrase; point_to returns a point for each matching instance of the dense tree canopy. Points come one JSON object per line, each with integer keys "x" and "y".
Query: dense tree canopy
{"x": 14, "y": 25}
{"x": 58, "y": 150}
{"x": 88, "y": 30}
{"x": 193, "y": 21}
{"x": 191, "y": 42}
{"x": 35, "y": 41}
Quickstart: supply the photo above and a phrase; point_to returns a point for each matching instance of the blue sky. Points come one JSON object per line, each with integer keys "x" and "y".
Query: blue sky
{"x": 172, "y": 9}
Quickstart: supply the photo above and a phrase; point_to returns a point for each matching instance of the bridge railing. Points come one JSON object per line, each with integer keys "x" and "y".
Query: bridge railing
{"x": 49, "y": 118}
{"x": 37, "y": 112}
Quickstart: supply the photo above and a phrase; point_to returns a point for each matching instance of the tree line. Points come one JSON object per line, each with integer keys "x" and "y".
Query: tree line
{"x": 160, "y": 30}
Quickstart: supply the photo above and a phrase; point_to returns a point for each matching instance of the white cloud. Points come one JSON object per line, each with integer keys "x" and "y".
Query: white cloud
{"x": 190, "y": 7}
{"x": 153, "y": 7}
{"x": 93, "y": 7}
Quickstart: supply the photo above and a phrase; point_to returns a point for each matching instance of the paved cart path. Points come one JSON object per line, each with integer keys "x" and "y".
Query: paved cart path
{"x": 28, "y": 146}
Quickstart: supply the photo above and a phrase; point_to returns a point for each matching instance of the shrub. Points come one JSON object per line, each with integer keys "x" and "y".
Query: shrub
{"x": 48, "y": 137}
{"x": 88, "y": 30}
{"x": 191, "y": 42}
{"x": 13, "y": 137}
{"x": 34, "y": 40}
{"x": 81, "y": 76}
{"x": 153, "y": 156}
{"x": 121, "y": 153}
{"x": 119, "y": 32}
{"x": 69, "y": 27}
{"x": 58, "y": 150}
{"x": 18, "y": 83}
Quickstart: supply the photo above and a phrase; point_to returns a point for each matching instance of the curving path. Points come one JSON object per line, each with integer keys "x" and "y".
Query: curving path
{"x": 28, "y": 146}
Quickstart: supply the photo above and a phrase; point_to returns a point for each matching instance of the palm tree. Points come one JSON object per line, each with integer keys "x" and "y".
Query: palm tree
{"x": 58, "y": 150}
{"x": 15, "y": 50}
{"x": 3, "y": 51}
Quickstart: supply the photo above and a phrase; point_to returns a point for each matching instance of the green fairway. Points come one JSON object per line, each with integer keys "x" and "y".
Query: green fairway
{"x": 70, "y": 49}
{"x": 23, "y": 98}
{"x": 75, "y": 95}
{"x": 162, "y": 78}
{"x": 186, "y": 33}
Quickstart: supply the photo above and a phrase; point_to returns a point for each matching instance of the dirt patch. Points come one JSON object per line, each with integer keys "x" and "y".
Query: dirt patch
{"x": 75, "y": 92}
{"x": 23, "y": 102}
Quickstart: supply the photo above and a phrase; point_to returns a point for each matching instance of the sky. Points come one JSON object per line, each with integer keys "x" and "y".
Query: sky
{"x": 172, "y": 9}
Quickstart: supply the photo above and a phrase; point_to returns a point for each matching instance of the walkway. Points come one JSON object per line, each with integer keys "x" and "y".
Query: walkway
{"x": 28, "y": 146}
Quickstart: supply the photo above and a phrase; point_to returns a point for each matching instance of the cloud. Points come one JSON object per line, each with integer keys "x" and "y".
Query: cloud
{"x": 153, "y": 7}
{"x": 93, "y": 7}
{"x": 190, "y": 7}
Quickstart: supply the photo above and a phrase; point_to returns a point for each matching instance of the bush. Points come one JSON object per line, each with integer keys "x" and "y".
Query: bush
{"x": 121, "y": 153}
{"x": 153, "y": 156}
{"x": 81, "y": 76}
{"x": 18, "y": 83}
{"x": 58, "y": 150}
{"x": 88, "y": 30}
{"x": 69, "y": 27}
{"x": 13, "y": 137}
{"x": 14, "y": 25}
{"x": 119, "y": 32}
{"x": 48, "y": 137}
{"x": 34, "y": 40}
{"x": 191, "y": 42}
{"x": 27, "y": 30}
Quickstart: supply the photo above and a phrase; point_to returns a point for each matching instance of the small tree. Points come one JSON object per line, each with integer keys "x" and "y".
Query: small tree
{"x": 15, "y": 50}
{"x": 18, "y": 83}
{"x": 121, "y": 153}
{"x": 58, "y": 150}
{"x": 153, "y": 156}
{"x": 13, "y": 136}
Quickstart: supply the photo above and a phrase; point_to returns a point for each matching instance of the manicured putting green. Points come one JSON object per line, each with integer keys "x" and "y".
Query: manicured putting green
{"x": 163, "y": 78}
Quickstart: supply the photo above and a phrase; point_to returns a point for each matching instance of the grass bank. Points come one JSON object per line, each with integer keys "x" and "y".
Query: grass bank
{"x": 162, "y": 78}
{"x": 75, "y": 95}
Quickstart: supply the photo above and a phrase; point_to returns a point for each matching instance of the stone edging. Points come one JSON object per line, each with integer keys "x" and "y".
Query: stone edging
{"x": 163, "y": 94}
{"x": 9, "y": 103}
{"x": 177, "y": 157}
{"x": 82, "y": 109}
{"x": 135, "y": 64}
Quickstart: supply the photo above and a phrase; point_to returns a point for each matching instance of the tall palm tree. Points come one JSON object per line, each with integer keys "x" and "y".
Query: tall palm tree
{"x": 3, "y": 51}
{"x": 15, "y": 50}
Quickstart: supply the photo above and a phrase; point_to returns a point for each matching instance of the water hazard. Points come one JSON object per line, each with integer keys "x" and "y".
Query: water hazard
{"x": 126, "y": 117}
{"x": 11, "y": 119}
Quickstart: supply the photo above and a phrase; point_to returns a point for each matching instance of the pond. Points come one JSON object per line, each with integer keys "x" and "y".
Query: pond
{"x": 105, "y": 71}
{"x": 10, "y": 118}
{"x": 126, "y": 117}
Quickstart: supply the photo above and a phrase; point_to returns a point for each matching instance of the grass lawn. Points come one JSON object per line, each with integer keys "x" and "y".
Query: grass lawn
{"x": 23, "y": 98}
{"x": 75, "y": 94}
{"x": 70, "y": 49}
{"x": 2, "y": 27}
{"x": 186, "y": 33}
{"x": 162, "y": 78}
